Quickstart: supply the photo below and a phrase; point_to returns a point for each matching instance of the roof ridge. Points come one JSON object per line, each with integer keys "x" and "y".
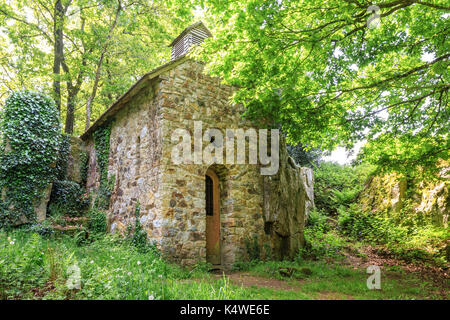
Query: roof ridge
{"x": 188, "y": 28}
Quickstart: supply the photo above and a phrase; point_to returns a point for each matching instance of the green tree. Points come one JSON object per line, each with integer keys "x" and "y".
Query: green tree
{"x": 88, "y": 51}
{"x": 304, "y": 156}
{"x": 331, "y": 76}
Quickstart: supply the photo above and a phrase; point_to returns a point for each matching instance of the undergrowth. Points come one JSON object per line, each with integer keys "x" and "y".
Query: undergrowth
{"x": 37, "y": 267}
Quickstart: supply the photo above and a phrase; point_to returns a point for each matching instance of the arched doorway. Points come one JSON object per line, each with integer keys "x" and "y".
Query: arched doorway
{"x": 212, "y": 195}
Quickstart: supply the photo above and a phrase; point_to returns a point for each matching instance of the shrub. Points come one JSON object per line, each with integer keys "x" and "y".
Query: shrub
{"x": 336, "y": 185}
{"x": 356, "y": 223}
{"x": 407, "y": 240}
{"x": 317, "y": 219}
{"x": 303, "y": 156}
{"x": 253, "y": 249}
{"x": 138, "y": 236}
{"x": 320, "y": 240}
{"x": 43, "y": 229}
{"x": 97, "y": 221}
{"x": 22, "y": 263}
{"x": 30, "y": 141}
{"x": 69, "y": 198}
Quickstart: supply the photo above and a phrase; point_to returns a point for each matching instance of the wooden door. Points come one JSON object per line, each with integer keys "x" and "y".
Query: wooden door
{"x": 212, "y": 218}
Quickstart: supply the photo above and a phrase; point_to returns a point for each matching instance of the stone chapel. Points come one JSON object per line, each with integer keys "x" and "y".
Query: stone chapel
{"x": 218, "y": 213}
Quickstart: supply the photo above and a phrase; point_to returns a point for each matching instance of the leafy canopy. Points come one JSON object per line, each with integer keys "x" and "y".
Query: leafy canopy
{"x": 93, "y": 45}
{"x": 317, "y": 69}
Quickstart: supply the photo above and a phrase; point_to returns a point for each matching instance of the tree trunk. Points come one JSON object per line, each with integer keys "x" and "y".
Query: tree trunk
{"x": 58, "y": 23}
{"x": 99, "y": 67}
{"x": 70, "y": 116}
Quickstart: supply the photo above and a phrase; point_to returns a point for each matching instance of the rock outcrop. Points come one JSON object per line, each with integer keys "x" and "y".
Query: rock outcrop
{"x": 428, "y": 198}
{"x": 288, "y": 199}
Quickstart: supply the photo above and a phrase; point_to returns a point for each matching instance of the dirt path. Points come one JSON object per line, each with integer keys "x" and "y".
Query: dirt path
{"x": 356, "y": 259}
{"x": 370, "y": 255}
{"x": 247, "y": 280}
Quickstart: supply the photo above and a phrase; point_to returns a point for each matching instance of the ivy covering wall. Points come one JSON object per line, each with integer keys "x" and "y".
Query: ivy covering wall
{"x": 101, "y": 143}
{"x": 30, "y": 142}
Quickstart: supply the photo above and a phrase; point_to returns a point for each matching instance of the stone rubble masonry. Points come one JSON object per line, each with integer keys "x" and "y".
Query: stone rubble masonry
{"x": 77, "y": 148}
{"x": 172, "y": 197}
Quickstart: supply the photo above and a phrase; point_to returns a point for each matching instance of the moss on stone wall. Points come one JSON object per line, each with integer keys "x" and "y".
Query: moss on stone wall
{"x": 427, "y": 200}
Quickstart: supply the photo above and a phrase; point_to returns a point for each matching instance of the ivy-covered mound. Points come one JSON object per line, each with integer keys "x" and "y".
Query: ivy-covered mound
{"x": 68, "y": 198}
{"x": 30, "y": 140}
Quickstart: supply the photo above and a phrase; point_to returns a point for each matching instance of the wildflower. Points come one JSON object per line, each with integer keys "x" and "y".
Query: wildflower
{"x": 11, "y": 243}
{"x": 129, "y": 273}
{"x": 92, "y": 261}
{"x": 74, "y": 280}
{"x": 138, "y": 262}
{"x": 160, "y": 276}
{"x": 151, "y": 297}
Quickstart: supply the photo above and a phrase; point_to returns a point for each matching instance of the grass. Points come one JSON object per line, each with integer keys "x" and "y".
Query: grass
{"x": 322, "y": 280}
{"x": 110, "y": 268}
{"x": 35, "y": 267}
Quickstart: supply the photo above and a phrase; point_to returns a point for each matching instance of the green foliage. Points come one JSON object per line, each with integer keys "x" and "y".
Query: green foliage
{"x": 114, "y": 269}
{"x": 405, "y": 233}
{"x": 336, "y": 185}
{"x": 69, "y": 198}
{"x": 345, "y": 197}
{"x": 320, "y": 240}
{"x": 22, "y": 264}
{"x": 324, "y": 279}
{"x": 356, "y": 223}
{"x": 317, "y": 219}
{"x": 139, "y": 236}
{"x": 412, "y": 155}
{"x": 244, "y": 265}
{"x": 29, "y": 148}
{"x": 200, "y": 267}
{"x": 111, "y": 268}
{"x": 97, "y": 221}
{"x": 63, "y": 157}
{"x": 84, "y": 167}
{"x": 268, "y": 254}
{"x": 329, "y": 79}
{"x": 138, "y": 43}
{"x": 43, "y": 229}
{"x": 104, "y": 193}
{"x": 101, "y": 144}
{"x": 303, "y": 156}
{"x": 253, "y": 248}
{"x": 409, "y": 238}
